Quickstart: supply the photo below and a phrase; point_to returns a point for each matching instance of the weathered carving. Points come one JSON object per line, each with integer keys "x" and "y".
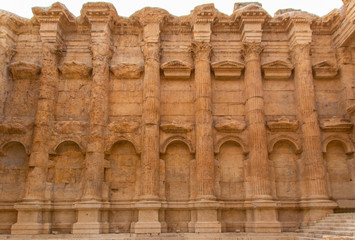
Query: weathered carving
{"x": 75, "y": 70}
{"x": 230, "y": 125}
{"x": 15, "y": 126}
{"x": 123, "y": 126}
{"x": 324, "y": 70}
{"x": 282, "y": 124}
{"x": 251, "y": 50}
{"x": 278, "y": 70}
{"x": 176, "y": 126}
{"x": 127, "y": 70}
{"x": 25, "y": 70}
{"x": 201, "y": 50}
{"x": 227, "y": 69}
{"x": 336, "y": 124}
{"x": 176, "y": 69}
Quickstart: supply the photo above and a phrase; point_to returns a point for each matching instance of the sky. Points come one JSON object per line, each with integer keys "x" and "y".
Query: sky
{"x": 126, "y": 8}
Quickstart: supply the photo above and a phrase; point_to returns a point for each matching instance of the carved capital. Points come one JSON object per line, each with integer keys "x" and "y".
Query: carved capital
{"x": 101, "y": 50}
{"x": 151, "y": 51}
{"x": 299, "y": 51}
{"x": 201, "y": 50}
{"x": 251, "y": 50}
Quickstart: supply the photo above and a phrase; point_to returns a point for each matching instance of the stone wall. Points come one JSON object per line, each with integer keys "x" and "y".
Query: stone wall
{"x": 156, "y": 123}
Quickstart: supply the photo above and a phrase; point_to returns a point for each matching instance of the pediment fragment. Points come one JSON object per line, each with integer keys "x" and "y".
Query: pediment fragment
{"x": 176, "y": 69}
{"x": 123, "y": 126}
{"x": 335, "y": 124}
{"x": 227, "y": 69}
{"x": 127, "y": 70}
{"x": 176, "y": 127}
{"x": 278, "y": 70}
{"x": 324, "y": 70}
{"x": 230, "y": 125}
{"x": 25, "y": 70}
{"x": 75, "y": 70}
{"x": 282, "y": 124}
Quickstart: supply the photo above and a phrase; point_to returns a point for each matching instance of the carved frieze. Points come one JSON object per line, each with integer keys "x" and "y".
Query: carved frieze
{"x": 278, "y": 70}
{"x": 335, "y": 124}
{"x": 282, "y": 124}
{"x": 75, "y": 70}
{"x": 127, "y": 70}
{"x": 25, "y": 70}
{"x": 324, "y": 70}
{"x": 230, "y": 125}
{"x": 176, "y": 127}
{"x": 15, "y": 126}
{"x": 123, "y": 126}
{"x": 176, "y": 69}
{"x": 227, "y": 70}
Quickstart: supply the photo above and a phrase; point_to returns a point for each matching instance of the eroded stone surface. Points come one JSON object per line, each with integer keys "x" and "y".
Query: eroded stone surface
{"x": 156, "y": 123}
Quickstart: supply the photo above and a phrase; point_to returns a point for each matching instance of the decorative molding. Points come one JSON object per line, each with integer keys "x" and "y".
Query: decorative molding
{"x": 176, "y": 127}
{"x": 25, "y": 70}
{"x": 277, "y": 70}
{"x": 176, "y": 69}
{"x": 15, "y": 126}
{"x": 75, "y": 70}
{"x": 324, "y": 70}
{"x": 347, "y": 143}
{"x": 127, "y": 70}
{"x": 235, "y": 139}
{"x": 123, "y": 126}
{"x": 335, "y": 124}
{"x": 227, "y": 69}
{"x": 176, "y": 138}
{"x": 282, "y": 124}
{"x": 113, "y": 141}
{"x": 229, "y": 125}
{"x": 297, "y": 144}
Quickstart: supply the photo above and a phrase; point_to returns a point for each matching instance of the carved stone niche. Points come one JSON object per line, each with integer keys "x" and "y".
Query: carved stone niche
{"x": 230, "y": 125}
{"x": 176, "y": 69}
{"x": 127, "y": 70}
{"x": 123, "y": 126}
{"x": 277, "y": 70}
{"x": 324, "y": 70}
{"x": 25, "y": 70}
{"x": 282, "y": 124}
{"x": 75, "y": 70}
{"x": 176, "y": 126}
{"x": 335, "y": 124}
{"x": 227, "y": 70}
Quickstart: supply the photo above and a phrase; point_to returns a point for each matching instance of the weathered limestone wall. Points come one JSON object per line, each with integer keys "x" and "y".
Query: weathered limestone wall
{"x": 156, "y": 123}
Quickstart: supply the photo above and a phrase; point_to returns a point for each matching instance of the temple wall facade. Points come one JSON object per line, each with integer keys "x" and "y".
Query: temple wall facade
{"x": 156, "y": 123}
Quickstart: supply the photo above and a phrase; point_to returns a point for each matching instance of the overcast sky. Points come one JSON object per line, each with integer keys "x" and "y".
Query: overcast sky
{"x": 176, "y": 7}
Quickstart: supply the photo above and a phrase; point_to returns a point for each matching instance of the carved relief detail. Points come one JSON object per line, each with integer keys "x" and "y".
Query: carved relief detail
{"x": 227, "y": 69}
{"x": 25, "y": 70}
{"x": 75, "y": 70}
{"x": 277, "y": 70}
{"x": 201, "y": 50}
{"x": 229, "y": 125}
{"x": 282, "y": 124}
{"x": 176, "y": 69}
{"x": 336, "y": 124}
{"x": 127, "y": 70}
{"x": 251, "y": 50}
{"x": 324, "y": 70}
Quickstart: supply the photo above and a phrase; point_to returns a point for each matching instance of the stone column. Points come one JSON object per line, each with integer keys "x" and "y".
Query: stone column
{"x": 206, "y": 206}
{"x": 313, "y": 172}
{"x": 30, "y": 210}
{"x": 149, "y": 203}
{"x": 261, "y": 213}
{"x": 89, "y": 209}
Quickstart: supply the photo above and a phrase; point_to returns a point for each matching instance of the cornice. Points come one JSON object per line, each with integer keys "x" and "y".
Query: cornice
{"x": 53, "y": 14}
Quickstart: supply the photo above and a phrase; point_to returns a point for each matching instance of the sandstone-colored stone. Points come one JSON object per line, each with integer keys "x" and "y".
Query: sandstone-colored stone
{"x": 173, "y": 126}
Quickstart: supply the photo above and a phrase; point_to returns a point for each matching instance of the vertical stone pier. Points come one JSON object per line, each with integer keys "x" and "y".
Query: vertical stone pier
{"x": 30, "y": 210}
{"x": 206, "y": 205}
{"x": 313, "y": 174}
{"x": 261, "y": 209}
{"x": 149, "y": 204}
{"x": 99, "y": 16}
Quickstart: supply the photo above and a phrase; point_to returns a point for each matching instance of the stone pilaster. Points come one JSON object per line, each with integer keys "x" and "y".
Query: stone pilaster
{"x": 204, "y": 217}
{"x": 313, "y": 173}
{"x": 262, "y": 217}
{"x": 30, "y": 211}
{"x": 89, "y": 212}
{"x": 149, "y": 204}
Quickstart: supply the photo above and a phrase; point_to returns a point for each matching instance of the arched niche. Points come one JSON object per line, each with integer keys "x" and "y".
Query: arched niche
{"x": 123, "y": 182}
{"x": 347, "y": 144}
{"x": 176, "y": 170}
{"x": 172, "y": 139}
{"x": 284, "y": 156}
{"x": 234, "y": 139}
{"x": 112, "y": 142}
{"x": 291, "y": 140}
{"x": 13, "y": 167}
{"x": 338, "y": 170}
{"x": 66, "y": 171}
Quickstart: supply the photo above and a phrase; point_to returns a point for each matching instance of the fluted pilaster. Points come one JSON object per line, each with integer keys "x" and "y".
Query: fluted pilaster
{"x": 257, "y": 172}
{"x": 313, "y": 170}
